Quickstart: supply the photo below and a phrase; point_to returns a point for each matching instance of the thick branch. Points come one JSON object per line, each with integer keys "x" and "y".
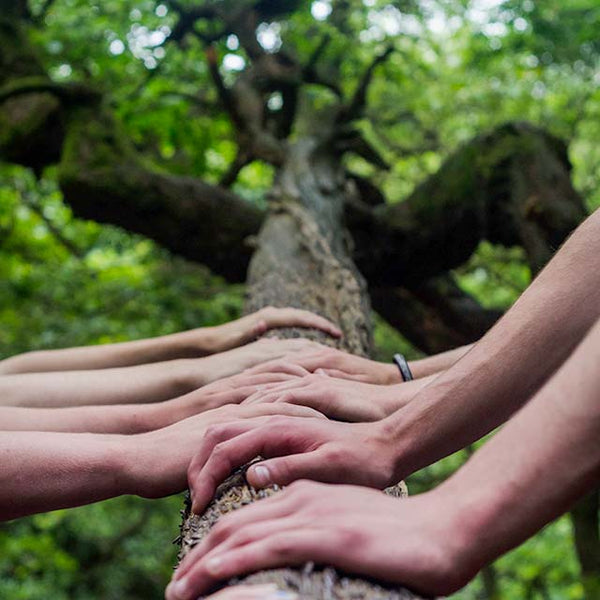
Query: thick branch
{"x": 511, "y": 187}
{"x": 436, "y": 315}
{"x": 102, "y": 178}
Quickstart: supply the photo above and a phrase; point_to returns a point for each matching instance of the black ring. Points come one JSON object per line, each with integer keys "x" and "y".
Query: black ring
{"x": 402, "y": 364}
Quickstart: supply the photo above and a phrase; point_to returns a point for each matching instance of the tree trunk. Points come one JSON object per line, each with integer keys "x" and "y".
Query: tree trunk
{"x": 586, "y": 532}
{"x": 303, "y": 260}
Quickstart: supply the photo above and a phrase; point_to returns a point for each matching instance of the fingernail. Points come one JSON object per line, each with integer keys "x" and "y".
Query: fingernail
{"x": 178, "y": 590}
{"x": 282, "y": 595}
{"x": 262, "y": 476}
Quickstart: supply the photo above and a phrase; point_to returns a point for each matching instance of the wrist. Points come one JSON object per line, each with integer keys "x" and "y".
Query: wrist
{"x": 472, "y": 525}
{"x": 121, "y": 456}
{"x": 142, "y": 465}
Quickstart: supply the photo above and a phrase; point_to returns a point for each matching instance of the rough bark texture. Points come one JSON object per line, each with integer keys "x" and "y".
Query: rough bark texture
{"x": 302, "y": 260}
{"x": 309, "y": 582}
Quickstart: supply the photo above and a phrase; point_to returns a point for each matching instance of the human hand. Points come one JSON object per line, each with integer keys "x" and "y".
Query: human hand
{"x": 337, "y": 363}
{"x": 340, "y": 399}
{"x": 230, "y": 390}
{"x": 416, "y": 542}
{"x": 155, "y": 463}
{"x": 296, "y": 448}
{"x": 239, "y": 359}
{"x": 248, "y": 328}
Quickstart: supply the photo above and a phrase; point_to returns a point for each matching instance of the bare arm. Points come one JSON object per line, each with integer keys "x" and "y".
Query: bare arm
{"x": 482, "y": 390}
{"x": 44, "y": 471}
{"x": 510, "y": 363}
{"x": 139, "y": 418}
{"x": 186, "y": 344}
{"x": 541, "y": 462}
{"x": 137, "y": 384}
{"x": 431, "y": 365}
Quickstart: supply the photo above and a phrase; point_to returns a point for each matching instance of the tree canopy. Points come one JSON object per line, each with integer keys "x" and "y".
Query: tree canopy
{"x": 148, "y": 85}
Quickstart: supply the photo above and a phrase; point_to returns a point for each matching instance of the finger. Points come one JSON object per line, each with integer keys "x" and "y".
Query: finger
{"x": 270, "y": 510}
{"x": 288, "y": 410}
{"x": 295, "y": 317}
{"x": 232, "y": 447}
{"x": 270, "y": 394}
{"x": 226, "y": 456}
{"x": 261, "y": 397}
{"x": 343, "y": 375}
{"x": 285, "y": 549}
{"x": 279, "y": 366}
{"x": 283, "y": 470}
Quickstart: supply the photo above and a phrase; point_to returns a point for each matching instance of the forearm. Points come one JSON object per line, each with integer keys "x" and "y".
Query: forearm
{"x": 121, "y": 419}
{"x": 537, "y": 466}
{"x": 431, "y": 365}
{"x": 127, "y": 385}
{"x": 511, "y": 362}
{"x": 47, "y": 471}
{"x": 187, "y": 344}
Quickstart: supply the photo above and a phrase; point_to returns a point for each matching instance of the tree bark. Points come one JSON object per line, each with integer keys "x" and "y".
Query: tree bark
{"x": 303, "y": 260}
{"x": 586, "y": 531}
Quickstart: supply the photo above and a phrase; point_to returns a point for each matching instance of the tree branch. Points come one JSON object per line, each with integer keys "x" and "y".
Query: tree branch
{"x": 223, "y": 91}
{"x": 510, "y": 187}
{"x": 355, "y": 108}
{"x": 434, "y": 316}
{"x": 67, "y": 92}
{"x": 239, "y": 162}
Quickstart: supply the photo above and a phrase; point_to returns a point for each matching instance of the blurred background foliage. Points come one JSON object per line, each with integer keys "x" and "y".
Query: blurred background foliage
{"x": 462, "y": 67}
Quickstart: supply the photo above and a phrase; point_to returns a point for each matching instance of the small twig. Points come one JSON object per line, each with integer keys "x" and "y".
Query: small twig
{"x": 33, "y": 206}
{"x": 356, "y": 107}
{"x": 239, "y": 162}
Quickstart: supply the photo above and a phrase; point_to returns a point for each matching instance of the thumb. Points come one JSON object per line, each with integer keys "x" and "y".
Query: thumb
{"x": 286, "y": 469}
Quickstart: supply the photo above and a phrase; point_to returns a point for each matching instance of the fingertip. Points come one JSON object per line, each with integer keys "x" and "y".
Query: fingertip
{"x": 259, "y": 476}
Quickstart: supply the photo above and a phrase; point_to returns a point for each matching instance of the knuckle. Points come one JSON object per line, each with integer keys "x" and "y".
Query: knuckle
{"x": 213, "y": 433}
{"x": 334, "y": 455}
{"x": 284, "y": 546}
{"x": 349, "y": 537}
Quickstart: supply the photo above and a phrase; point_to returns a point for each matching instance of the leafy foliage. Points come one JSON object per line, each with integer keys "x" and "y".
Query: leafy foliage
{"x": 459, "y": 67}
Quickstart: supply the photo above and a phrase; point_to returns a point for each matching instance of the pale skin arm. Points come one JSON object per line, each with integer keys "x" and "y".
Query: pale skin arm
{"x": 342, "y": 365}
{"x": 341, "y": 399}
{"x": 186, "y": 344}
{"x": 532, "y": 471}
{"x": 141, "y": 383}
{"x": 44, "y": 471}
{"x": 138, "y": 418}
{"x": 482, "y": 390}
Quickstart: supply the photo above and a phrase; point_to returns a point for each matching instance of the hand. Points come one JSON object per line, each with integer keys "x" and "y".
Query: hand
{"x": 155, "y": 463}
{"x": 230, "y": 390}
{"x": 237, "y": 360}
{"x": 337, "y": 363}
{"x": 308, "y": 448}
{"x": 339, "y": 399}
{"x": 248, "y": 328}
{"x": 415, "y": 542}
